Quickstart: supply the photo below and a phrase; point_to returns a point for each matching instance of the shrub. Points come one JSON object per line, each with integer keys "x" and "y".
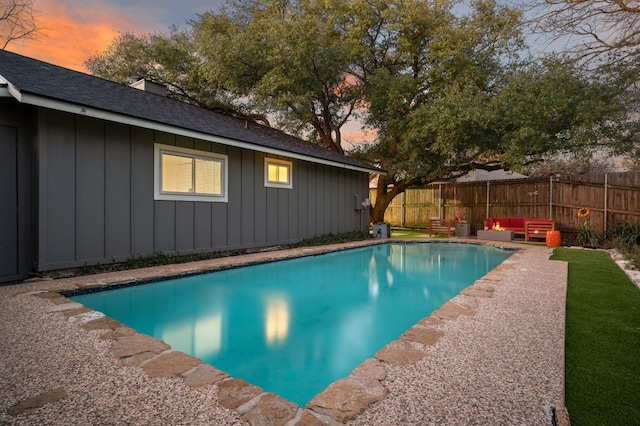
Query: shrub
{"x": 626, "y": 238}
{"x": 626, "y": 233}
{"x": 333, "y": 239}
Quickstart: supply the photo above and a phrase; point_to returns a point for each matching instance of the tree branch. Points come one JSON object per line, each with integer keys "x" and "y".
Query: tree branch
{"x": 17, "y": 21}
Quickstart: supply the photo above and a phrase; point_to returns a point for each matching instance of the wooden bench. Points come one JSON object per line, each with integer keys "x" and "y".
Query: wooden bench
{"x": 441, "y": 226}
{"x": 533, "y": 229}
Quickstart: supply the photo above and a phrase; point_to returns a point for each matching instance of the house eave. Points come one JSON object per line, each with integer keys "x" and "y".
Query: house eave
{"x": 7, "y": 90}
{"x": 58, "y": 105}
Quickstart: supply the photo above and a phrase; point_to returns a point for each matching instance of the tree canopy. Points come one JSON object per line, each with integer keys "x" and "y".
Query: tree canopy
{"x": 444, "y": 85}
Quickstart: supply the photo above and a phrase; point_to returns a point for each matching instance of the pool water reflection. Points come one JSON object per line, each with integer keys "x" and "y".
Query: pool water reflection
{"x": 293, "y": 327}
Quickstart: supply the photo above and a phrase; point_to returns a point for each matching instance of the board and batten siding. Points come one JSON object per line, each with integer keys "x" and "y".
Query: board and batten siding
{"x": 96, "y": 197}
{"x": 16, "y": 183}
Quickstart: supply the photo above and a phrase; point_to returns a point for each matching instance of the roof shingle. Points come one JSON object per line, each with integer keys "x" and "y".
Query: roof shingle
{"x": 48, "y": 81}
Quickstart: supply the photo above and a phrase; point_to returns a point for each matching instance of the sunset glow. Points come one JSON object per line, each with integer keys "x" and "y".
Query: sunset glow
{"x": 68, "y": 37}
{"x": 70, "y": 34}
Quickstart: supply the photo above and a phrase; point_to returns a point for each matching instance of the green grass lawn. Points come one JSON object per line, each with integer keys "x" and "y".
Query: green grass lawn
{"x": 409, "y": 233}
{"x": 602, "y": 341}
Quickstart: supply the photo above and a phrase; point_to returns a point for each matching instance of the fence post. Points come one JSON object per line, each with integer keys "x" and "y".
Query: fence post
{"x": 488, "y": 185}
{"x": 403, "y": 200}
{"x": 551, "y": 197}
{"x": 606, "y": 199}
{"x": 440, "y": 202}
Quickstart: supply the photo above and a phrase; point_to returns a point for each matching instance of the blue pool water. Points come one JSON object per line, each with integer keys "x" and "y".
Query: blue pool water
{"x": 295, "y": 326}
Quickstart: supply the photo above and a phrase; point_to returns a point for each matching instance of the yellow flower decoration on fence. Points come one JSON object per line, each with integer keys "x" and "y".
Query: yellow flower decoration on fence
{"x": 583, "y": 212}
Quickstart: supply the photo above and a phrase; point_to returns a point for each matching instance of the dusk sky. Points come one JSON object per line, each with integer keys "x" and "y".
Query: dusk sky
{"x": 73, "y": 30}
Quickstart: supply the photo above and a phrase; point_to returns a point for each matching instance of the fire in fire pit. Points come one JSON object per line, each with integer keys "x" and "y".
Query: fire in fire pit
{"x": 496, "y": 227}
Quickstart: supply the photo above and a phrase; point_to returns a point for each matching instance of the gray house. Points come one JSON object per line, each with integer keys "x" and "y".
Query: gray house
{"x": 96, "y": 172}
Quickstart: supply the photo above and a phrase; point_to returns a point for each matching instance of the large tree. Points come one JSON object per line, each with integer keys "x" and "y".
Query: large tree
{"x": 17, "y": 21}
{"x": 443, "y": 86}
{"x": 536, "y": 112}
{"x": 447, "y": 95}
{"x": 428, "y": 75}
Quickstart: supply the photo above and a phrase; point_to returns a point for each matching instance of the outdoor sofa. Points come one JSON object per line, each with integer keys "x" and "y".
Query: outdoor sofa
{"x": 526, "y": 227}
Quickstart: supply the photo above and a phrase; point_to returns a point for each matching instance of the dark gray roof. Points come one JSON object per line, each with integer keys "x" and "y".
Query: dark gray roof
{"x": 33, "y": 77}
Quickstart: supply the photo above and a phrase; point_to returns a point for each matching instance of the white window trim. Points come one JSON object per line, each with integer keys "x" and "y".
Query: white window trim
{"x": 268, "y": 183}
{"x": 158, "y": 149}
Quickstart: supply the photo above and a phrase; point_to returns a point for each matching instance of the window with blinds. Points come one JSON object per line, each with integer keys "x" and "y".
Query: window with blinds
{"x": 185, "y": 174}
{"x": 277, "y": 173}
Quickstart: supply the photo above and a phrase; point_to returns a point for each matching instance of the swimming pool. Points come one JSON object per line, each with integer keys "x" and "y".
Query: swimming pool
{"x": 293, "y": 327}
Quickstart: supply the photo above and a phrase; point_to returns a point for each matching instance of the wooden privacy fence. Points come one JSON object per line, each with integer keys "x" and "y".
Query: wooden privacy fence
{"x": 612, "y": 198}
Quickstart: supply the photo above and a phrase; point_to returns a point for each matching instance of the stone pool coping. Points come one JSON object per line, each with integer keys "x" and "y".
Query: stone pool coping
{"x": 346, "y": 400}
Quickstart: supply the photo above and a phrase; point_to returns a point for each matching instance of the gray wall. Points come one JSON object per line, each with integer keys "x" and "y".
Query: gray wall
{"x": 96, "y": 198}
{"x": 16, "y": 219}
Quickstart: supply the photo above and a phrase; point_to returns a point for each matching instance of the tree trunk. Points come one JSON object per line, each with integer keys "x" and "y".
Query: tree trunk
{"x": 329, "y": 143}
{"x": 384, "y": 196}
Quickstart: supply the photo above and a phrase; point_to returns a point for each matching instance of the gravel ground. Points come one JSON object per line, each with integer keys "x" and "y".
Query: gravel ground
{"x": 504, "y": 365}
{"x": 42, "y": 351}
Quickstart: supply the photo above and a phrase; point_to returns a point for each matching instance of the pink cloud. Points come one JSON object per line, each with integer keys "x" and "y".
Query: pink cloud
{"x": 69, "y": 37}
{"x": 354, "y": 138}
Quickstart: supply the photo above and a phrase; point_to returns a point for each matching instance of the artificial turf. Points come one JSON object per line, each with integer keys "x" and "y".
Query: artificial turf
{"x": 602, "y": 346}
